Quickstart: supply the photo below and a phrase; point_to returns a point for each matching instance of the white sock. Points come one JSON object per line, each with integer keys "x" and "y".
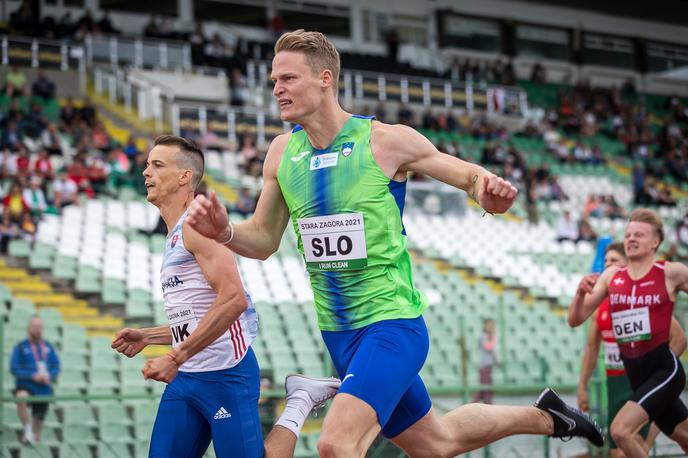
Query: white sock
{"x": 299, "y": 405}
{"x": 28, "y": 432}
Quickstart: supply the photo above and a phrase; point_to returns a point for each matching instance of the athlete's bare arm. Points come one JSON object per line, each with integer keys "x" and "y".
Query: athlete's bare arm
{"x": 220, "y": 270}
{"x": 677, "y": 278}
{"x": 259, "y": 236}
{"x": 677, "y": 337}
{"x": 592, "y": 350}
{"x": 400, "y": 149}
{"x": 130, "y": 341}
{"x": 590, "y": 293}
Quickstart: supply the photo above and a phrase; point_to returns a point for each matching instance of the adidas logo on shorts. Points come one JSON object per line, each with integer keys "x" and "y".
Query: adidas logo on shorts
{"x": 222, "y": 413}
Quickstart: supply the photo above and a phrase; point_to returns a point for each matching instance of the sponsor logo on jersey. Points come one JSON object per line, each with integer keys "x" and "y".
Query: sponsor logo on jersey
{"x": 171, "y": 282}
{"x": 175, "y": 239}
{"x": 301, "y": 155}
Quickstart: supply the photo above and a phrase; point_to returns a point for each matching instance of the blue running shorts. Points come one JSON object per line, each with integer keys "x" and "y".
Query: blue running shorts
{"x": 219, "y": 405}
{"x": 379, "y": 364}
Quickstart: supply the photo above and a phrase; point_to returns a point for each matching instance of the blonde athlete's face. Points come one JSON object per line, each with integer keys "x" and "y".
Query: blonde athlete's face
{"x": 161, "y": 173}
{"x": 639, "y": 240}
{"x": 614, "y": 258}
{"x": 298, "y": 89}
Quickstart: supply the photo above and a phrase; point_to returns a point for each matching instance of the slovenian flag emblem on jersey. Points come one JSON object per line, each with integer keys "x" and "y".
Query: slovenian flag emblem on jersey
{"x": 347, "y": 148}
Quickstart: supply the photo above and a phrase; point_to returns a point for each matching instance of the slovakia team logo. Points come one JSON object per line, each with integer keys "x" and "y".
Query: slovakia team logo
{"x": 174, "y": 240}
{"x": 347, "y": 149}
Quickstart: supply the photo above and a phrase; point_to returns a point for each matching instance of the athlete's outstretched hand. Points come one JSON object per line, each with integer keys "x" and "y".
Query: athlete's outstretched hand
{"x": 496, "y": 195}
{"x": 208, "y": 216}
{"x": 587, "y": 283}
{"x": 129, "y": 342}
{"x": 162, "y": 369}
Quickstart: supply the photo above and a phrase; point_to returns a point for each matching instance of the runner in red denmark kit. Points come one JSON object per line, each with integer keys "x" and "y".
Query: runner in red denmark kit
{"x": 641, "y": 299}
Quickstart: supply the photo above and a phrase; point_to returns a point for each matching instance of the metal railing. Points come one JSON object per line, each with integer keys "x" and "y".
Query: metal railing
{"x": 39, "y": 53}
{"x": 112, "y": 49}
{"x": 435, "y": 92}
{"x": 137, "y": 52}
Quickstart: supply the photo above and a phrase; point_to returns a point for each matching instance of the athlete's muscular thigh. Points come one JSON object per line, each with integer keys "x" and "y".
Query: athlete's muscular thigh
{"x": 350, "y": 423}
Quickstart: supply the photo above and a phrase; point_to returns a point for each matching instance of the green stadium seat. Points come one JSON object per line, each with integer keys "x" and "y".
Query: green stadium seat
{"x": 112, "y": 433}
{"x": 75, "y": 450}
{"x": 113, "y": 450}
{"x": 40, "y": 261}
{"x": 78, "y": 434}
{"x": 78, "y": 413}
{"x": 19, "y": 248}
{"x": 50, "y": 317}
{"x": 36, "y": 451}
{"x": 71, "y": 381}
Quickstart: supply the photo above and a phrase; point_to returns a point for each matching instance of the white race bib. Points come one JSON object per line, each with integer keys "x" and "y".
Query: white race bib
{"x": 182, "y": 323}
{"x": 612, "y": 357}
{"x": 632, "y": 325}
{"x": 334, "y": 242}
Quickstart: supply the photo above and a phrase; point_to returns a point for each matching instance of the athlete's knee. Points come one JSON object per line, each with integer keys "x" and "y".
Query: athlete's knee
{"x": 331, "y": 447}
{"x": 621, "y": 433}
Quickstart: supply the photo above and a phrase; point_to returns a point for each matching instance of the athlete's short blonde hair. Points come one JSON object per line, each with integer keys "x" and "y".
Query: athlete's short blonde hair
{"x": 320, "y": 53}
{"x": 645, "y": 215}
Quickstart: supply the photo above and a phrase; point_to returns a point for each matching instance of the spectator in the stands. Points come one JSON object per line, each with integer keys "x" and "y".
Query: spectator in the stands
{"x": 68, "y": 112}
{"x": 136, "y": 177}
{"x": 405, "y": 115}
{"x": 42, "y": 167}
{"x": 117, "y": 167}
{"x": 586, "y": 232}
{"x": 14, "y": 206}
{"x": 538, "y": 74}
{"x": 100, "y": 138}
{"x": 380, "y": 112}
{"x": 35, "y": 366}
{"x": 151, "y": 29}
{"x": 249, "y": 152}
{"x": 34, "y": 121}
{"x": 556, "y": 192}
{"x": 11, "y": 137}
{"x": 105, "y": 24}
{"x": 50, "y": 139}
{"x": 8, "y": 165}
{"x": 613, "y": 210}
{"x": 43, "y": 87}
{"x": 246, "y": 204}
{"x": 392, "y": 40}
{"x": 682, "y": 232}
{"x": 16, "y": 83}
{"x": 567, "y": 228}
{"x": 23, "y": 162}
{"x": 34, "y": 197}
{"x": 65, "y": 191}
{"x": 88, "y": 112}
{"x": 238, "y": 87}
{"x": 664, "y": 196}
{"x": 198, "y": 41}
{"x": 276, "y": 25}
{"x": 23, "y": 21}
{"x": 80, "y": 174}
{"x": 131, "y": 149}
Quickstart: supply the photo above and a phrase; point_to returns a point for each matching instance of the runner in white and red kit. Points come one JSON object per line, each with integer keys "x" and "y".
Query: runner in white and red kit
{"x": 641, "y": 299}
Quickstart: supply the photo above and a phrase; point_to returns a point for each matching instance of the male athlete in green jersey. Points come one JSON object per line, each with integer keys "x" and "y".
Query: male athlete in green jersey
{"x": 340, "y": 178}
